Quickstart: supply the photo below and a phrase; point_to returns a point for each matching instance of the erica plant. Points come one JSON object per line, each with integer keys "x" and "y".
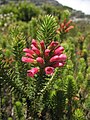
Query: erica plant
{"x": 44, "y": 59}
{"x": 64, "y": 28}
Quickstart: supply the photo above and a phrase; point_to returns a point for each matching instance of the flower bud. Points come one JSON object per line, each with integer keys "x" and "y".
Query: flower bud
{"x": 32, "y": 72}
{"x": 47, "y": 51}
{"x": 37, "y": 51}
{"x": 58, "y": 64}
{"x": 26, "y": 59}
{"x": 53, "y": 44}
{"x": 49, "y": 70}
{"x": 27, "y": 50}
{"x": 69, "y": 28}
{"x": 54, "y": 58}
{"x": 42, "y": 45}
{"x": 28, "y": 55}
{"x": 34, "y": 42}
{"x": 67, "y": 24}
{"x": 40, "y": 60}
{"x": 59, "y": 50}
{"x": 62, "y": 57}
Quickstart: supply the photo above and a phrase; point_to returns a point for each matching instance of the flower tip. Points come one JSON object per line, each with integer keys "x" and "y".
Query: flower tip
{"x": 34, "y": 42}
{"x": 32, "y": 72}
{"x": 25, "y": 49}
{"x": 62, "y": 57}
{"x": 53, "y": 44}
{"x": 42, "y": 45}
{"x": 49, "y": 70}
{"x": 26, "y": 59}
{"x": 40, "y": 60}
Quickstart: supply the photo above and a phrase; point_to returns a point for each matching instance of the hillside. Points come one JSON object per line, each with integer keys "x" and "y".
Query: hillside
{"x": 74, "y": 13}
{"x": 36, "y": 2}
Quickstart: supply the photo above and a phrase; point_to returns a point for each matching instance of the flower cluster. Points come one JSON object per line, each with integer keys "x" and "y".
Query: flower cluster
{"x": 43, "y": 58}
{"x": 65, "y": 27}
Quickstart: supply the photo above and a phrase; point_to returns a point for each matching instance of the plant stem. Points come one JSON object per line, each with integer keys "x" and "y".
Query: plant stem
{"x": 50, "y": 81}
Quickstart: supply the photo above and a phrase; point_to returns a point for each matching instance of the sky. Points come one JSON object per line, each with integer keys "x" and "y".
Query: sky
{"x": 83, "y": 5}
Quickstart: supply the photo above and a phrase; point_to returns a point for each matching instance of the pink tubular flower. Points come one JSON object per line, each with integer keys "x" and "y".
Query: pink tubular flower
{"x": 28, "y": 55}
{"x": 28, "y": 51}
{"x": 32, "y": 72}
{"x": 47, "y": 51}
{"x": 26, "y": 59}
{"x": 37, "y": 51}
{"x": 40, "y": 60}
{"x": 69, "y": 28}
{"x": 59, "y": 50}
{"x": 62, "y": 57}
{"x": 65, "y": 27}
{"x": 67, "y": 24}
{"x": 42, "y": 45}
{"x": 34, "y": 42}
{"x": 54, "y": 58}
{"x": 49, "y": 70}
{"x": 43, "y": 58}
{"x": 53, "y": 44}
{"x": 58, "y": 64}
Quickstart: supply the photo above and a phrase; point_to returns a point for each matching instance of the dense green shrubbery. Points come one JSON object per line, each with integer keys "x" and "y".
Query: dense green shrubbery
{"x": 22, "y": 11}
{"x": 63, "y": 96}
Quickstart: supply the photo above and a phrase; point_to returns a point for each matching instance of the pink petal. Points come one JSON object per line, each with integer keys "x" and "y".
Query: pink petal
{"x": 67, "y": 24}
{"x": 28, "y": 55}
{"x": 40, "y": 60}
{"x": 59, "y": 50}
{"x": 26, "y": 59}
{"x": 47, "y": 51}
{"x": 53, "y": 44}
{"x": 58, "y": 64}
{"x": 49, "y": 70}
{"x": 69, "y": 28}
{"x": 54, "y": 58}
{"x": 62, "y": 57}
{"x": 28, "y": 51}
{"x": 32, "y": 72}
{"x": 37, "y": 51}
{"x": 34, "y": 42}
{"x": 42, "y": 45}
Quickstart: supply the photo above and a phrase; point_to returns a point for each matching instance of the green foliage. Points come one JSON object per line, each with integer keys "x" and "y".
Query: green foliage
{"x": 71, "y": 92}
{"x": 60, "y": 100}
{"x": 87, "y": 103}
{"x": 18, "y": 106}
{"x": 32, "y": 28}
{"x": 10, "y": 118}
{"x": 48, "y": 9}
{"x": 6, "y": 19}
{"x": 27, "y": 11}
{"x": 47, "y": 29}
{"x": 53, "y": 10}
{"x": 23, "y": 11}
{"x": 79, "y": 115}
{"x": 71, "y": 87}
{"x": 65, "y": 14}
{"x": 8, "y": 8}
